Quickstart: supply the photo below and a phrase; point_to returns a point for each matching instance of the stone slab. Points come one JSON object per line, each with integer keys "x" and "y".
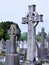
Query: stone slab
{"x": 42, "y": 52}
{"x": 12, "y": 59}
{"x": 32, "y": 63}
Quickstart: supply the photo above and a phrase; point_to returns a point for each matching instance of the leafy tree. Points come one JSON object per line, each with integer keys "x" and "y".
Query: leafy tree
{"x": 5, "y": 26}
{"x": 38, "y": 37}
{"x": 1, "y": 33}
{"x": 23, "y": 36}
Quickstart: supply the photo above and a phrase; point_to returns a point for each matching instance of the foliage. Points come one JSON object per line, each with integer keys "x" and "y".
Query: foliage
{"x": 2, "y": 54}
{"x": 7, "y": 36}
{"x": 38, "y": 37}
{"x": 23, "y": 36}
{"x": 4, "y": 29}
{"x": 1, "y": 33}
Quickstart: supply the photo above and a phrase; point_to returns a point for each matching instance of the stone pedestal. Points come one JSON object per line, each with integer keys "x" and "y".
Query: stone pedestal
{"x": 32, "y": 63}
{"x": 12, "y": 59}
{"x": 42, "y": 52}
{"x": 43, "y": 37}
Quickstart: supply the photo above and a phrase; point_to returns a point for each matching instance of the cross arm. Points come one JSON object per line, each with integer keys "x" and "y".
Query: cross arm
{"x": 24, "y": 20}
{"x": 40, "y": 18}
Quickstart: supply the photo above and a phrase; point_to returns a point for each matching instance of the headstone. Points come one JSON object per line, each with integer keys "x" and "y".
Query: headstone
{"x": 42, "y": 51}
{"x": 43, "y": 37}
{"x": 12, "y": 56}
{"x": 32, "y": 19}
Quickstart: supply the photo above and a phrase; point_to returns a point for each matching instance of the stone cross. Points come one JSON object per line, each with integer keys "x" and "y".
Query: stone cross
{"x": 43, "y": 36}
{"x": 13, "y": 32}
{"x": 12, "y": 56}
{"x": 32, "y": 19}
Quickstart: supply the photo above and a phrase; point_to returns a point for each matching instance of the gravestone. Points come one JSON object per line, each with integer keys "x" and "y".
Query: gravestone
{"x": 12, "y": 57}
{"x": 42, "y": 51}
{"x": 32, "y": 19}
{"x": 43, "y": 37}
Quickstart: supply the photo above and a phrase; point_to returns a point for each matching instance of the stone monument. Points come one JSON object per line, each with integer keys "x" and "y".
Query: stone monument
{"x": 32, "y": 19}
{"x": 43, "y": 37}
{"x": 42, "y": 51}
{"x": 12, "y": 57}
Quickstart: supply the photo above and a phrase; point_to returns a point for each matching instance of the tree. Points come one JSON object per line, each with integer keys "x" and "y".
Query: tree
{"x": 1, "y": 33}
{"x": 23, "y": 36}
{"x": 5, "y": 26}
{"x": 38, "y": 37}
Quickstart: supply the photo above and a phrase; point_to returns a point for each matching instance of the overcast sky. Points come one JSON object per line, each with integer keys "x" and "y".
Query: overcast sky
{"x": 14, "y": 10}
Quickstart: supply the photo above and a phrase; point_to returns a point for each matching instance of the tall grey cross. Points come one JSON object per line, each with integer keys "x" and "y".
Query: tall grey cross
{"x": 32, "y": 18}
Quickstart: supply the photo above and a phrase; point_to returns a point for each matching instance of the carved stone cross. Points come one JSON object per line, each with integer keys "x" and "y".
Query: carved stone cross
{"x": 43, "y": 36}
{"x": 12, "y": 58}
{"x": 13, "y": 32}
{"x": 32, "y": 18}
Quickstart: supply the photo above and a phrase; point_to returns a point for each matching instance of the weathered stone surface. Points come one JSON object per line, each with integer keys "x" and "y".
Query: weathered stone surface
{"x": 12, "y": 57}
{"x": 7, "y": 46}
{"x": 42, "y": 52}
{"x": 43, "y": 36}
{"x": 32, "y": 63}
{"x": 32, "y": 19}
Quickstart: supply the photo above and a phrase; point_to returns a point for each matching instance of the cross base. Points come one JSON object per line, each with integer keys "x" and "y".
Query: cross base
{"x": 31, "y": 63}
